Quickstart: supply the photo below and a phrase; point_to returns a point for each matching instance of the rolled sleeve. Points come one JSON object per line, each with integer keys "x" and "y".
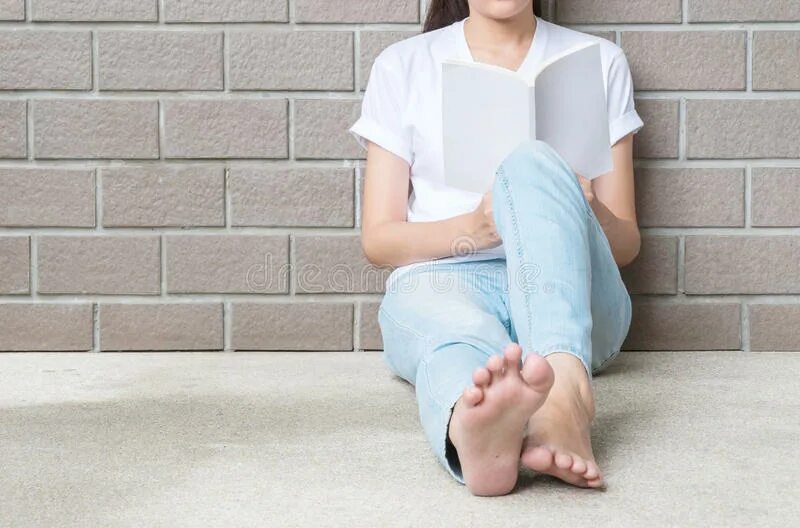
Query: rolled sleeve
{"x": 623, "y": 118}
{"x": 383, "y": 109}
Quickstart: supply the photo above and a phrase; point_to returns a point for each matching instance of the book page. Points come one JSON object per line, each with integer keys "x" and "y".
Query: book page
{"x": 485, "y": 114}
{"x": 571, "y": 114}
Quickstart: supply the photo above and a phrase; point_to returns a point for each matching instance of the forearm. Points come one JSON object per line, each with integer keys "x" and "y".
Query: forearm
{"x": 401, "y": 243}
{"x": 623, "y": 235}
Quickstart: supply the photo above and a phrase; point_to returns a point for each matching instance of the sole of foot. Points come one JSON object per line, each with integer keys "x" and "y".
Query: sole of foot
{"x": 488, "y": 421}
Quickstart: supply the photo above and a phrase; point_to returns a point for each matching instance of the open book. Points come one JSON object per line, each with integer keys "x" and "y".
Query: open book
{"x": 488, "y": 110}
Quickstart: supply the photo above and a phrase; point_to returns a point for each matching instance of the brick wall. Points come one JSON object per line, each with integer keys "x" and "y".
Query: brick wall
{"x": 177, "y": 174}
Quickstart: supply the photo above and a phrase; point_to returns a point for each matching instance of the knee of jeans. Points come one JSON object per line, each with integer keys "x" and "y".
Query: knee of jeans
{"x": 537, "y": 170}
{"x": 533, "y": 157}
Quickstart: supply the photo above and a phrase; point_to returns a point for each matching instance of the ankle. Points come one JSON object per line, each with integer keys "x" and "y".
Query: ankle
{"x": 572, "y": 386}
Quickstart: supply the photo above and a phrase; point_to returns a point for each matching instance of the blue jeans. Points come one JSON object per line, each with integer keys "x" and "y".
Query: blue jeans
{"x": 558, "y": 290}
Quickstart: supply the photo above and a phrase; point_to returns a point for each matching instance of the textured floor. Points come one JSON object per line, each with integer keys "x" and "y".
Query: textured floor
{"x": 332, "y": 439}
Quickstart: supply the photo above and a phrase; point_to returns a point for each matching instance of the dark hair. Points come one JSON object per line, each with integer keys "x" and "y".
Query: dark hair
{"x": 442, "y": 13}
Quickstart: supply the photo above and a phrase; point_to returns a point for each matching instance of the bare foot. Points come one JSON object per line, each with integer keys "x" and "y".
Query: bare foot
{"x": 488, "y": 421}
{"x": 558, "y": 441}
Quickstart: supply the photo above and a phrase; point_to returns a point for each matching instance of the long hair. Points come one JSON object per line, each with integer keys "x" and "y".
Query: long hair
{"x": 442, "y": 13}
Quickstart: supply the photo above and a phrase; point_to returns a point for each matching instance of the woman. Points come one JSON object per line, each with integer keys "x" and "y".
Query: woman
{"x": 502, "y": 306}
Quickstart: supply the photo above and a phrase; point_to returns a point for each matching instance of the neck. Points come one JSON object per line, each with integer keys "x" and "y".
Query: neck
{"x": 500, "y": 34}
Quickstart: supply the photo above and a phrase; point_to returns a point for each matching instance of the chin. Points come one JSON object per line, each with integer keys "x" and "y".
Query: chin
{"x": 504, "y": 9}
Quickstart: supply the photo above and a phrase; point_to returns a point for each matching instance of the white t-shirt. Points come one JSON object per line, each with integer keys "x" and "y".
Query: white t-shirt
{"x": 402, "y": 112}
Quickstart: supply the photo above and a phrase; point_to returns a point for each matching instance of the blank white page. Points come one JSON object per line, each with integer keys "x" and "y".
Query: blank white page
{"x": 485, "y": 113}
{"x": 571, "y": 114}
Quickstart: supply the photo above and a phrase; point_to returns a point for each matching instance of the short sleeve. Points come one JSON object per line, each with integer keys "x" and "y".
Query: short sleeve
{"x": 382, "y": 109}
{"x": 622, "y": 115}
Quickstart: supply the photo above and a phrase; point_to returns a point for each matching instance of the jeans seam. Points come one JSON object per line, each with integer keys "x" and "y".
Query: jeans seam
{"x": 500, "y": 173}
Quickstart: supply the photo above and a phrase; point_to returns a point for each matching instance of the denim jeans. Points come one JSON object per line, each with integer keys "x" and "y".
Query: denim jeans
{"x": 558, "y": 290}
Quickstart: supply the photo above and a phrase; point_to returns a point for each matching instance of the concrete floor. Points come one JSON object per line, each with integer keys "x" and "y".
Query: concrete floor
{"x": 332, "y": 439}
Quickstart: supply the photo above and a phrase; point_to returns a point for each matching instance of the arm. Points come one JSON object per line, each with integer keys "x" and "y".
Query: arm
{"x": 612, "y": 199}
{"x": 387, "y": 238}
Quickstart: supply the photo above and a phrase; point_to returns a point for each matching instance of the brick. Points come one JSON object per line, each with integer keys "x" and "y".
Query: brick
{"x": 291, "y": 60}
{"x": 95, "y": 129}
{"x": 659, "y": 325}
{"x": 655, "y": 269}
{"x": 775, "y": 195}
{"x": 774, "y": 326}
{"x": 372, "y": 43}
{"x": 226, "y": 129}
{"x": 12, "y": 9}
{"x": 99, "y": 264}
{"x": 753, "y": 11}
{"x": 321, "y": 129}
{"x": 659, "y": 136}
{"x": 95, "y": 10}
{"x": 356, "y": 11}
{"x": 687, "y": 60}
{"x": 776, "y": 60}
{"x": 227, "y": 264}
{"x": 15, "y": 265}
{"x": 292, "y": 326}
{"x": 163, "y": 196}
{"x": 44, "y": 59}
{"x": 160, "y": 60}
{"x": 172, "y": 326}
{"x": 226, "y": 11}
{"x": 335, "y": 264}
{"x": 623, "y": 11}
{"x": 45, "y": 327}
{"x": 292, "y": 197}
{"x": 13, "y": 129}
{"x": 742, "y": 264}
{"x": 369, "y": 331}
{"x": 40, "y": 197}
{"x": 734, "y": 129}
{"x": 690, "y": 197}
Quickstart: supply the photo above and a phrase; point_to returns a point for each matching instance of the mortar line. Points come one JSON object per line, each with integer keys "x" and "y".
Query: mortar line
{"x": 682, "y": 134}
{"x": 348, "y": 95}
{"x": 748, "y": 198}
{"x": 348, "y": 298}
{"x": 356, "y": 326}
{"x": 352, "y": 163}
{"x": 96, "y": 344}
{"x": 227, "y": 312}
{"x": 293, "y": 25}
{"x": 745, "y": 326}
{"x": 681, "y": 271}
{"x": 29, "y": 136}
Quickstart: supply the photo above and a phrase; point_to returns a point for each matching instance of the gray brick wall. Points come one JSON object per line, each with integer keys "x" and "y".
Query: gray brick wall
{"x": 177, "y": 174}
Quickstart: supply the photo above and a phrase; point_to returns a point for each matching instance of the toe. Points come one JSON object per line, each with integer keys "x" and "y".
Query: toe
{"x": 592, "y": 471}
{"x": 513, "y": 355}
{"x": 495, "y": 365}
{"x": 472, "y": 396}
{"x": 538, "y": 458}
{"x": 481, "y": 377}
{"x": 563, "y": 461}
{"x": 596, "y": 483}
{"x": 538, "y": 373}
{"x": 578, "y": 465}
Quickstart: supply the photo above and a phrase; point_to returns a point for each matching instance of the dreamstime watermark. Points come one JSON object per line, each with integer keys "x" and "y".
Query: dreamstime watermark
{"x": 471, "y": 270}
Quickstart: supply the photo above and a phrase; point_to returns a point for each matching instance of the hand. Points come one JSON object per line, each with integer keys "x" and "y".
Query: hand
{"x": 482, "y": 230}
{"x": 600, "y": 210}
